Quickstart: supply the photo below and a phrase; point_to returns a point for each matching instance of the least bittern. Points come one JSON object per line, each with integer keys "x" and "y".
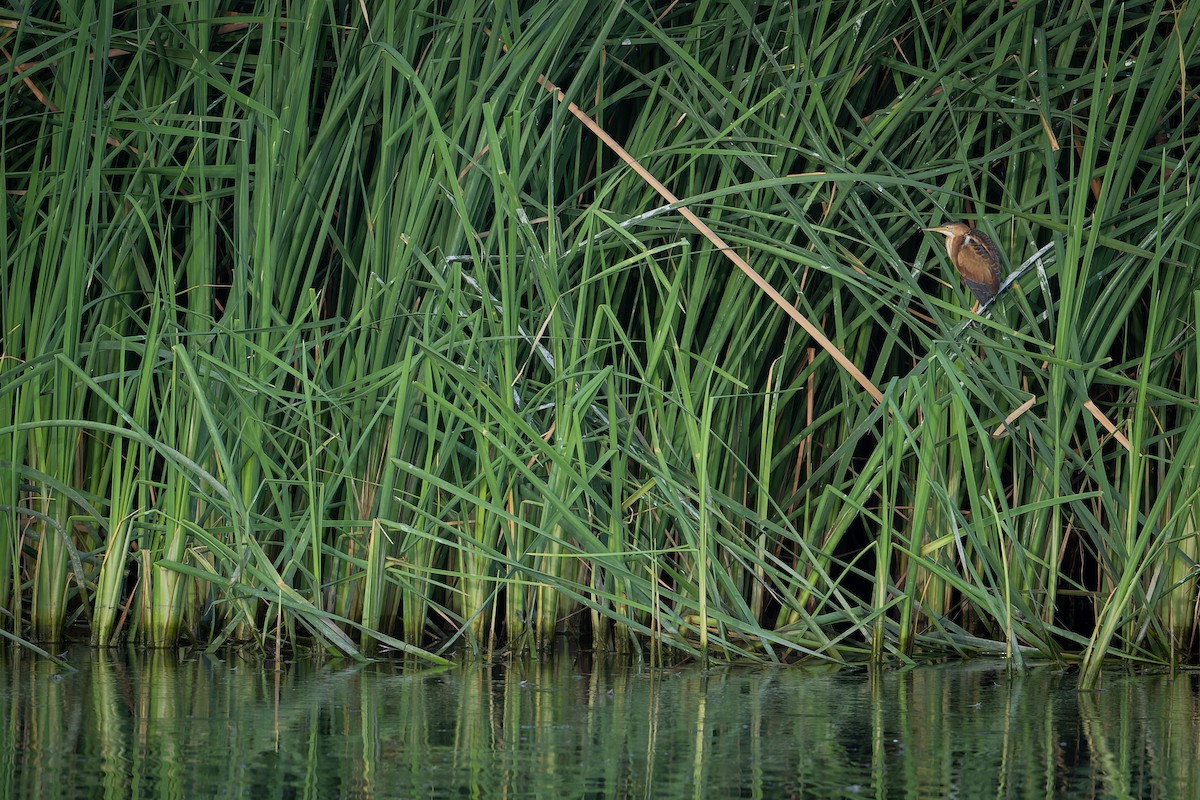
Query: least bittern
{"x": 975, "y": 257}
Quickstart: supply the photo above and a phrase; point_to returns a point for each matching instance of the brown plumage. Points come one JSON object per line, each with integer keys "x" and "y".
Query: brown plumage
{"x": 975, "y": 257}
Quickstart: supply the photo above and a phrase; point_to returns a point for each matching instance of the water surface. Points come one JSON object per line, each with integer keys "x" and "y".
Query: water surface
{"x": 165, "y": 724}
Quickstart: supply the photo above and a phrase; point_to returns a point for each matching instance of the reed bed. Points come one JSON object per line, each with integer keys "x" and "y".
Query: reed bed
{"x": 335, "y": 326}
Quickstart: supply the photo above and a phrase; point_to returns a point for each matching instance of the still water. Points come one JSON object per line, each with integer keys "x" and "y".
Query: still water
{"x": 167, "y": 725}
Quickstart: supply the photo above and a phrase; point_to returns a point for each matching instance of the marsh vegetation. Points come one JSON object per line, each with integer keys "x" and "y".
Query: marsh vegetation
{"x": 330, "y": 325}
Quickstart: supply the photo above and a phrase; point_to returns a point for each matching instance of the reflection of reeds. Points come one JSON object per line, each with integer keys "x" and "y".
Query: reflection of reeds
{"x": 351, "y": 334}
{"x": 153, "y": 722}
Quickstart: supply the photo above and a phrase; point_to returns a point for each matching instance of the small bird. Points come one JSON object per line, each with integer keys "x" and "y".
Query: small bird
{"x": 975, "y": 257}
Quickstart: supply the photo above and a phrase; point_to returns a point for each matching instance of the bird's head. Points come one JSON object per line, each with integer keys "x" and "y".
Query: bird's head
{"x": 951, "y": 230}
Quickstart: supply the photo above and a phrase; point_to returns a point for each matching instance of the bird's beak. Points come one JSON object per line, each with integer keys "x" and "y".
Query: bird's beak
{"x": 944, "y": 230}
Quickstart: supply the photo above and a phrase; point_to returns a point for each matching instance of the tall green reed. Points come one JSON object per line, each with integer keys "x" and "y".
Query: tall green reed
{"x": 360, "y": 338}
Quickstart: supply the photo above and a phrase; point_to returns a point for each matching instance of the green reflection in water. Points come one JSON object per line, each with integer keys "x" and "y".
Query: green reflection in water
{"x": 167, "y": 725}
